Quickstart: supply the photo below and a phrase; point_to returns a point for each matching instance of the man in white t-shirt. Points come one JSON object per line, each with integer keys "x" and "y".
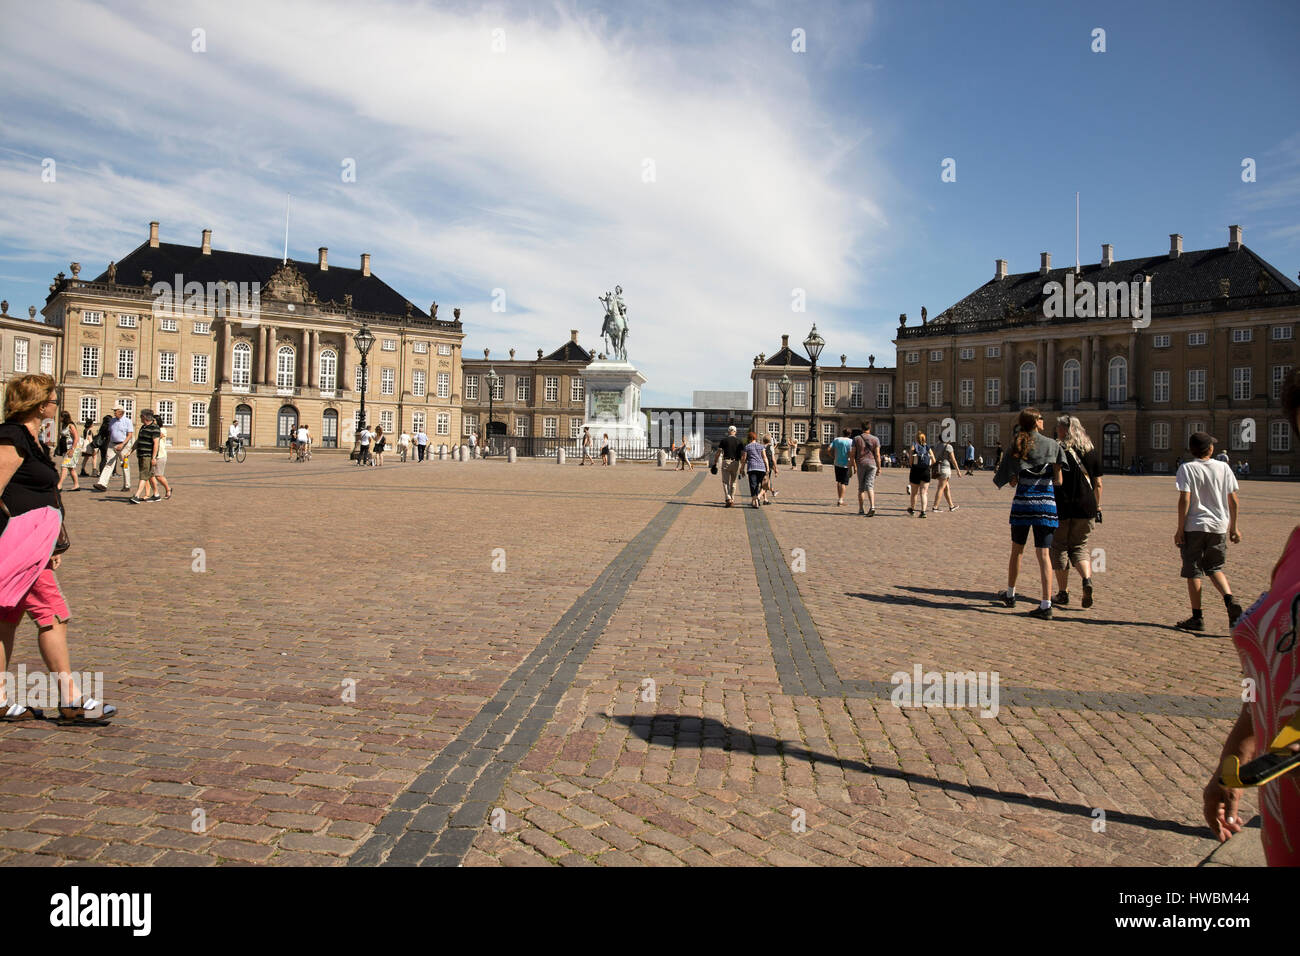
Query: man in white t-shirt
{"x": 403, "y": 445}
{"x": 1207, "y": 519}
{"x": 233, "y": 435}
{"x": 421, "y": 444}
{"x": 364, "y": 437}
{"x": 303, "y": 439}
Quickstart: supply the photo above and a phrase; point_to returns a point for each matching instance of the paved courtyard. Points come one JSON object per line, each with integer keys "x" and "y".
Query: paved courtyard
{"x": 644, "y": 678}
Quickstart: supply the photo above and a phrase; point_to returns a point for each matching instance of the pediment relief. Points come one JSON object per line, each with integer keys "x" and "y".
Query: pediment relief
{"x": 288, "y": 285}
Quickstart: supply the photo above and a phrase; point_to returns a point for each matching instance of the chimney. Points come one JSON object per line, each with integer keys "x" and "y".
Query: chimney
{"x": 1107, "y": 255}
{"x": 573, "y": 336}
{"x": 1234, "y": 238}
{"x": 322, "y": 259}
{"x": 365, "y": 264}
{"x": 999, "y": 268}
{"x": 785, "y": 341}
{"x": 1046, "y": 265}
{"x": 207, "y": 242}
{"x": 153, "y": 235}
{"x": 1175, "y": 245}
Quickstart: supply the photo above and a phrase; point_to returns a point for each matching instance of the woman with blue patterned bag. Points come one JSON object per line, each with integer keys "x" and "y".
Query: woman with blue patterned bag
{"x": 1034, "y": 463}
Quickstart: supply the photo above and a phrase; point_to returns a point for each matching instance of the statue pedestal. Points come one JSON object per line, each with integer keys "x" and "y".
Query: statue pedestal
{"x": 613, "y": 392}
{"x": 812, "y": 456}
{"x": 783, "y": 454}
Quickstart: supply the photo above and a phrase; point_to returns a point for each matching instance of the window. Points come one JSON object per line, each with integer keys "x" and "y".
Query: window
{"x": 1161, "y": 342}
{"x": 1028, "y": 383}
{"x": 357, "y": 372}
{"x": 936, "y": 393}
{"x": 1280, "y": 374}
{"x": 913, "y": 358}
{"x": 202, "y": 328}
{"x": 966, "y": 355}
{"x": 1118, "y": 379}
{"x": 198, "y": 414}
{"x": 167, "y": 366}
{"x": 1235, "y": 441}
{"x": 1196, "y": 338}
{"x": 329, "y": 370}
{"x": 993, "y": 391}
{"x": 471, "y": 388}
{"x": 1243, "y": 335}
{"x": 855, "y": 395}
{"x": 932, "y": 432}
{"x": 92, "y": 318}
{"x": 576, "y": 390}
{"x": 800, "y": 395}
{"x": 419, "y": 381}
{"x": 1279, "y": 470}
{"x": 89, "y": 408}
{"x": 417, "y": 422}
{"x": 1282, "y": 333}
{"x": 1196, "y": 384}
{"x": 126, "y": 363}
{"x": 20, "y": 355}
{"x": 993, "y": 351}
{"x": 965, "y": 434}
{"x": 521, "y": 428}
{"x": 167, "y": 325}
{"x": 444, "y": 423}
{"x": 991, "y": 434}
{"x": 1160, "y": 436}
{"x": 800, "y": 432}
{"x": 386, "y": 420}
{"x": 444, "y": 348}
{"x": 47, "y": 358}
{"x": 828, "y": 432}
{"x": 1241, "y": 389}
{"x": 936, "y": 355}
{"x": 389, "y": 345}
{"x": 469, "y": 424}
{"x": 1193, "y": 428}
{"x": 1279, "y": 436}
{"x": 284, "y": 362}
{"x": 575, "y": 427}
{"x": 167, "y": 412}
{"x": 387, "y": 381}
{"x": 127, "y": 405}
{"x": 966, "y": 392}
{"x": 883, "y": 397}
{"x": 828, "y": 395}
{"x": 773, "y": 393}
{"x": 420, "y": 348}
{"x": 551, "y": 427}
{"x": 552, "y": 384}
{"x": 883, "y": 431}
{"x": 912, "y": 394}
{"x": 523, "y": 389}
{"x": 127, "y": 321}
{"x": 444, "y": 384}
{"x": 499, "y": 389}
{"x": 1160, "y": 385}
{"x": 1071, "y": 377}
{"x": 909, "y": 434}
{"x": 90, "y": 361}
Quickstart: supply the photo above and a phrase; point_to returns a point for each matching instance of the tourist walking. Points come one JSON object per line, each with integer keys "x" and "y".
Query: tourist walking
{"x": 970, "y": 458}
{"x": 684, "y": 459}
{"x": 101, "y": 444}
{"x": 1034, "y": 465}
{"x": 87, "y": 447}
{"x": 120, "y": 432}
{"x": 403, "y": 445}
{"x": 70, "y": 448}
{"x": 997, "y": 458}
{"x": 918, "y": 476}
{"x": 421, "y": 444}
{"x": 473, "y": 444}
{"x": 29, "y": 483}
{"x": 728, "y": 456}
{"x": 586, "y": 447}
{"x": 947, "y": 467}
{"x": 1207, "y": 520}
{"x": 604, "y": 449}
{"x": 146, "y": 453}
{"x": 769, "y": 481}
{"x": 755, "y": 468}
{"x": 1078, "y": 505}
{"x": 866, "y": 458}
{"x": 840, "y": 449}
{"x": 160, "y": 462}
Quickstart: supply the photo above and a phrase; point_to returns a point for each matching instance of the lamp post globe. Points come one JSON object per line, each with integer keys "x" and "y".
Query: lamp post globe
{"x": 812, "y": 449}
{"x": 363, "y": 338}
{"x": 492, "y": 380}
{"x": 784, "y": 451}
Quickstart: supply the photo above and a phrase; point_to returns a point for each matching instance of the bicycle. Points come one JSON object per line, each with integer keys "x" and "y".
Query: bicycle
{"x": 234, "y": 450}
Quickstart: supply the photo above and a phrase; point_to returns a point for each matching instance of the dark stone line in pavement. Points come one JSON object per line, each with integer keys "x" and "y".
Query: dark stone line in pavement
{"x": 451, "y": 798}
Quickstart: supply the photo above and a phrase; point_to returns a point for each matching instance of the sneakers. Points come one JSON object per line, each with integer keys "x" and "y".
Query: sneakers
{"x": 922, "y": 514}
{"x": 99, "y": 487}
{"x": 911, "y": 511}
{"x": 1043, "y": 613}
{"x": 156, "y": 498}
{"x": 1235, "y": 611}
{"x": 1062, "y": 598}
{"x": 1087, "y": 595}
{"x": 871, "y": 513}
{"x": 136, "y": 501}
{"x": 1192, "y": 624}
{"x": 1008, "y": 599}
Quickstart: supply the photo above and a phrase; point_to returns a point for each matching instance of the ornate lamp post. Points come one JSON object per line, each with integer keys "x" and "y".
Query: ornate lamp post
{"x": 812, "y": 450}
{"x": 363, "y": 340}
{"x": 784, "y": 458}
{"x": 493, "y": 379}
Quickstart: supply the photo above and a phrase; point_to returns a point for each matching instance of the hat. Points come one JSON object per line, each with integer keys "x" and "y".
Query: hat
{"x": 1198, "y": 443}
{"x": 731, "y": 429}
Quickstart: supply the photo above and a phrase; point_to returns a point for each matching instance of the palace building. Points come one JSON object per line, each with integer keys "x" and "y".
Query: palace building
{"x": 207, "y": 337}
{"x": 1213, "y": 356}
{"x": 534, "y": 398}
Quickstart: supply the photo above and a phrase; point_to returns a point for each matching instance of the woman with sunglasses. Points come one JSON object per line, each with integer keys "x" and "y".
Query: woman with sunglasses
{"x": 1034, "y": 464}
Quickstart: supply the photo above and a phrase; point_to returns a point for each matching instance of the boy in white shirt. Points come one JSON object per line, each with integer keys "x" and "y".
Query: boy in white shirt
{"x": 1207, "y": 519}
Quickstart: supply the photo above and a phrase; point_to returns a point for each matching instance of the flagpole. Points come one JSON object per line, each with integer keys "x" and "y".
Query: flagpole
{"x": 1076, "y": 233}
{"x": 286, "y": 229}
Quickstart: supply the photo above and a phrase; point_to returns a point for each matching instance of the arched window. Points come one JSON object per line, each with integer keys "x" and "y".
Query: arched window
{"x": 1071, "y": 377}
{"x": 244, "y": 416}
{"x": 241, "y": 365}
{"x": 1118, "y": 391}
{"x": 329, "y": 368}
{"x": 1028, "y": 383}
{"x": 330, "y": 429}
{"x": 284, "y": 362}
{"x": 286, "y": 424}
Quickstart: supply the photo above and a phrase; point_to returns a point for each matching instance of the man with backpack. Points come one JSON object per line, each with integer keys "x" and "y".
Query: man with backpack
{"x": 866, "y": 455}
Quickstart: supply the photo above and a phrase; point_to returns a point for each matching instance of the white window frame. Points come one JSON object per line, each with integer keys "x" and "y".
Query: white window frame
{"x": 912, "y": 394}
{"x": 551, "y": 426}
{"x": 1283, "y": 333}
{"x": 913, "y": 358}
{"x": 577, "y": 389}
{"x": 388, "y": 345}
{"x": 992, "y": 434}
{"x": 417, "y": 422}
{"x": 202, "y": 328}
{"x": 1196, "y": 384}
{"x": 20, "y": 355}
{"x": 89, "y": 406}
{"x": 966, "y": 354}
{"x": 523, "y": 391}
{"x": 521, "y": 427}
{"x": 90, "y": 361}
{"x": 128, "y": 321}
{"x": 92, "y": 318}
{"x": 167, "y": 412}
{"x": 1071, "y": 382}
{"x": 993, "y": 391}
{"x": 444, "y": 348}
{"x": 966, "y": 392}
{"x": 551, "y": 385}
{"x": 286, "y": 367}
{"x": 471, "y": 388}
{"x": 773, "y": 394}
{"x": 443, "y": 423}
{"x": 419, "y": 382}
{"x": 469, "y": 423}
{"x": 884, "y": 395}
{"x": 1160, "y": 436}
{"x": 387, "y": 380}
{"x": 444, "y": 384}
{"x": 386, "y": 421}
{"x": 1242, "y": 383}
{"x": 1279, "y": 436}
{"x": 830, "y": 396}
{"x": 799, "y": 395}
{"x": 420, "y": 348}
{"x": 328, "y": 379}
{"x": 168, "y": 325}
{"x": 1160, "y": 386}
{"x": 198, "y": 414}
{"x": 1028, "y": 383}
{"x": 47, "y": 358}
{"x": 993, "y": 351}
{"x": 1160, "y": 342}
{"x": 1234, "y": 436}
{"x": 828, "y": 432}
{"x": 1197, "y": 338}
{"x": 126, "y": 363}
{"x": 936, "y": 355}
{"x": 1117, "y": 380}
{"x": 575, "y": 427}
{"x": 166, "y": 366}
{"x": 855, "y": 395}
{"x": 799, "y": 432}
{"x": 1242, "y": 335}
{"x": 1280, "y": 374}
{"x": 936, "y": 392}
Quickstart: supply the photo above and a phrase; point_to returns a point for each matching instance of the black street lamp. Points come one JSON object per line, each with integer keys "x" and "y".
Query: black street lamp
{"x": 812, "y": 453}
{"x": 785, "y": 397}
{"x": 363, "y": 339}
{"x": 492, "y": 380}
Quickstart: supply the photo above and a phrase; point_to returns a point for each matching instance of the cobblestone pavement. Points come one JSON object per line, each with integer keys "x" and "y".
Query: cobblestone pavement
{"x": 616, "y": 693}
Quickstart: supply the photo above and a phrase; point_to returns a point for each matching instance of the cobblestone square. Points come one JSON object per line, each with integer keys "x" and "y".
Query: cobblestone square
{"x": 645, "y": 678}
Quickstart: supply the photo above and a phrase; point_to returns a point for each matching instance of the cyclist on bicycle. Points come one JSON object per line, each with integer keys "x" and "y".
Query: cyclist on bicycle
{"x": 303, "y": 443}
{"x": 233, "y": 438}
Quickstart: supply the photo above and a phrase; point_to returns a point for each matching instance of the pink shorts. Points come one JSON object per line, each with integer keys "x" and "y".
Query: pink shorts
{"x": 44, "y": 602}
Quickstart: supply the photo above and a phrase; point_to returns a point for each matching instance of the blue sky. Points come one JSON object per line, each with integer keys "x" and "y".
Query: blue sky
{"x": 524, "y": 168}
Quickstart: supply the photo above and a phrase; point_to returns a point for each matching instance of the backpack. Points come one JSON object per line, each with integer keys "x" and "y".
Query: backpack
{"x": 921, "y": 455}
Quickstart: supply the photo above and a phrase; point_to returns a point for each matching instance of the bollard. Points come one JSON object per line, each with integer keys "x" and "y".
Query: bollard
{"x": 661, "y": 457}
{"x": 510, "y": 454}
{"x": 613, "y": 458}
{"x": 442, "y": 452}
{"x": 559, "y": 456}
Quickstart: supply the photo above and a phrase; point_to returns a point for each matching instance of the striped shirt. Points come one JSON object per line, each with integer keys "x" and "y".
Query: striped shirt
{"x": 144, "y": 440}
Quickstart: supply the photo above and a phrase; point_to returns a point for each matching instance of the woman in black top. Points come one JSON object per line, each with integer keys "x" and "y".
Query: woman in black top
{"x": 1078, "y": 504}
{"x": 28, "y": 480}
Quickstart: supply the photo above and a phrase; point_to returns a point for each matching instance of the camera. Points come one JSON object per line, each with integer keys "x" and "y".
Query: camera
{"x": 1098, "y": 517}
